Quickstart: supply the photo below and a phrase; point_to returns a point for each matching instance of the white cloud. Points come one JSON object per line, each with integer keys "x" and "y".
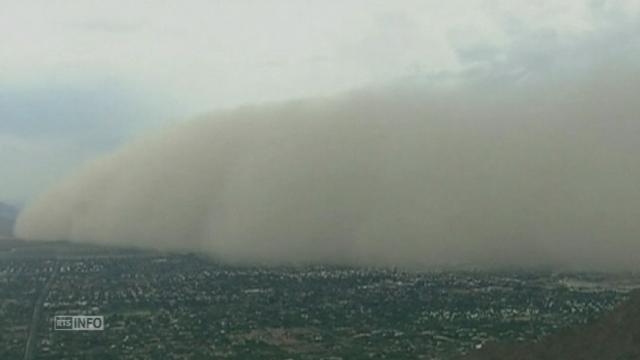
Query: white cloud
{"x": 195, "y": 56}
{"x": 213, "y": 54}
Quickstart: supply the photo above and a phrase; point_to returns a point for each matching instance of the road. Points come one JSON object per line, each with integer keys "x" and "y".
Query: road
{"x": 32, "y": 340}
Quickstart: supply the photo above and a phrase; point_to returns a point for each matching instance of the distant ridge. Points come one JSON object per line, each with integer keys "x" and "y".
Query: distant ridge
{"x": 615, "y": 336}
{"x": 8, "y": 215}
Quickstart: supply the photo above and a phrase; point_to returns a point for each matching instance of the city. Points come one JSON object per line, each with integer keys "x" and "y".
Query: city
{"x": 184, "y": 306}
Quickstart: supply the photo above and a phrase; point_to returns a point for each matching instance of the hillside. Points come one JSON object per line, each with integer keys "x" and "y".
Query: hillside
{"x": 615, "y": 336}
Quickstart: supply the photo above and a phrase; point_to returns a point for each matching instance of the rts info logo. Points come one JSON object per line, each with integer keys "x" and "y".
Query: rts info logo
{"x": 78, "y": 323}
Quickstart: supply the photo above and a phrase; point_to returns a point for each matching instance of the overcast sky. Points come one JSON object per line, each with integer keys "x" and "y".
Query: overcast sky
{"x": 78, "y": 78}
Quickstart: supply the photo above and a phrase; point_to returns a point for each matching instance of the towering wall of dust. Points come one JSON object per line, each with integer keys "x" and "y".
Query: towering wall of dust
{"x": 535, "y": 172}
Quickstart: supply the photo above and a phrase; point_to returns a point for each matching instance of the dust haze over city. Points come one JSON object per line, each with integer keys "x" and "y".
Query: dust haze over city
{"x": 489, "y": 173}
{"x": 507, "y": 164}
{"x": 368, "y": 152}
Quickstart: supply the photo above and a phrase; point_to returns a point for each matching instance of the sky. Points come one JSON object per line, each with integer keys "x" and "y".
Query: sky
{"x": 80, "y": 78}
